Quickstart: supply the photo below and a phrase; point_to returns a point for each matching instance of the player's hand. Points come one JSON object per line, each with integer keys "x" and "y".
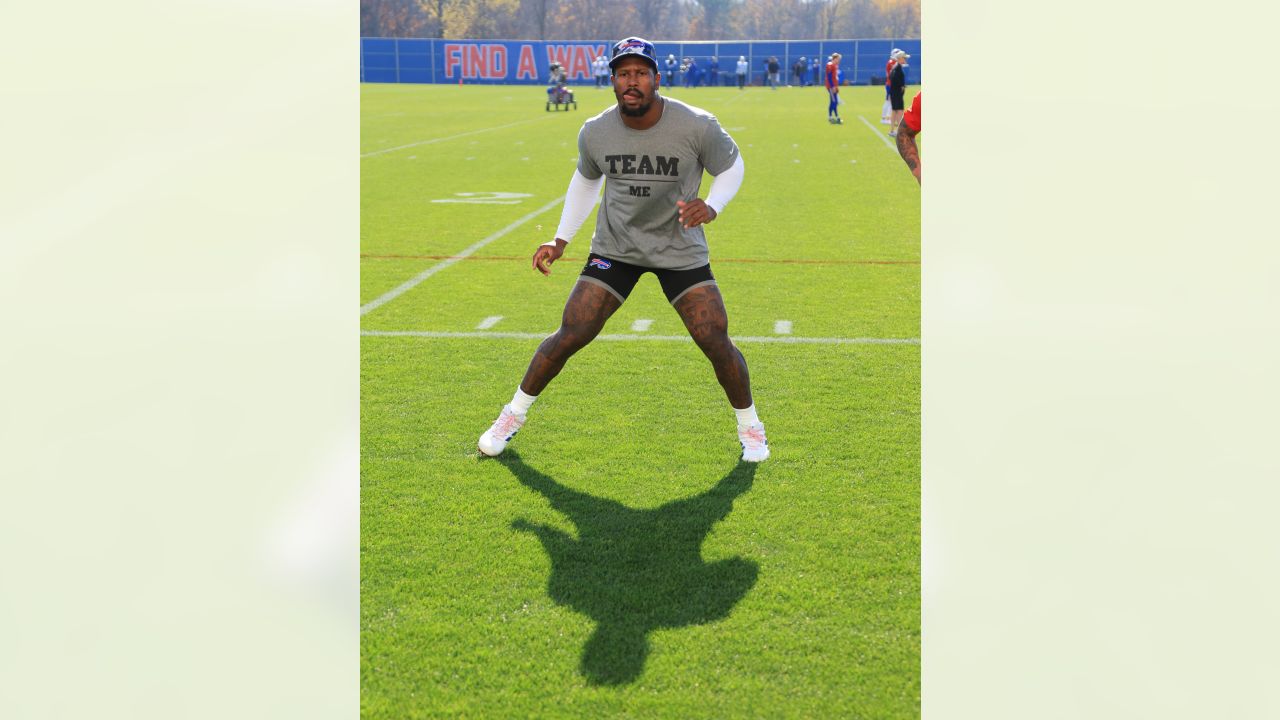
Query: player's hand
{"x": 546, "y": 254}
{"x": 695, "y": 213}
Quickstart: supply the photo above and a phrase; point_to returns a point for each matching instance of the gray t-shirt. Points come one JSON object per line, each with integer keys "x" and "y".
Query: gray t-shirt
{"x": 646, "y": 172}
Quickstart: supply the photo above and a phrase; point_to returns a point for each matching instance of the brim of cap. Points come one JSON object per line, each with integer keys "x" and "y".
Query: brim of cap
{"x": 653, "y": 63}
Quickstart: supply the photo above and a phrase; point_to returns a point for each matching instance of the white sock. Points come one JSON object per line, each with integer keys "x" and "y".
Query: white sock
{"x": 747, "y": 415}
{"x": 520, "y": 402}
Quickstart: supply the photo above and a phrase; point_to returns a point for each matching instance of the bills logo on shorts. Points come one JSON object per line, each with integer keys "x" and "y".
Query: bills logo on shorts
{"x": 602, "y": 264}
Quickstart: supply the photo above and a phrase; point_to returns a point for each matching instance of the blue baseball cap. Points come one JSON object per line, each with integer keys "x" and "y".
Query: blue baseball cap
{"x": 634, "y": 46}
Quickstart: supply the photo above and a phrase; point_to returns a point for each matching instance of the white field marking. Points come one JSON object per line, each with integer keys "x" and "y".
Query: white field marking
{"x": 451, "y": 137}
{"x": 879, "y": 134}
{"x": 488, "y": 322}
{"x": 786, "y": 339}
{"x": 410, "y": 284}
{"x": 782, "y": 327}
{"x": 641, "y": 325}
{"x": 486, "y": 198}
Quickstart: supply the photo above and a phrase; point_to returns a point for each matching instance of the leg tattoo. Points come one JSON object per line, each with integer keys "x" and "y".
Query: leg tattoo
{"x": 703, "y": 312}
{"x": 585, "y": 313}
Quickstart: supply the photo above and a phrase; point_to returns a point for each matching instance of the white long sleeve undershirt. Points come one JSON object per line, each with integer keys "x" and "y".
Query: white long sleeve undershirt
{"x": 578, "y": 202}
{"x": 725, "y": 185}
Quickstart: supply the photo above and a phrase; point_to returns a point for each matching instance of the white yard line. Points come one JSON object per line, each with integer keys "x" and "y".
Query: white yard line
{"x": 451, "y": 137}
{"x": 782, "y": 327}
{"x": 879, "y": 133}
{"x": 410, "y": 284}
{"x": 641, "y": 325}
{"x": 488, "y": 322}
{"x": 786, "y": 339}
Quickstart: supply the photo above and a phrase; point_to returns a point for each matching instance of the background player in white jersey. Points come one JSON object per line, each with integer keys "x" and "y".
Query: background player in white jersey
{"x": 600, "y": 68}
{"x": 653, "y": 151}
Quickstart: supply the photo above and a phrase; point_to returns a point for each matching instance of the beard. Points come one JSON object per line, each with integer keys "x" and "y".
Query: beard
{"x": 638, "y": 110}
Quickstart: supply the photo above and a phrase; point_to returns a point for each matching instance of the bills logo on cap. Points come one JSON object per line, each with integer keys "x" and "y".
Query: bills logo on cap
{"x": 600, "y": 263}
{"x": 634, "y": 46}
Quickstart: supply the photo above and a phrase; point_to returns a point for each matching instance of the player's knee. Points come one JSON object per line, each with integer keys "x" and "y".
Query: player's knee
{"x": 713, "y": 329}
{"x": 558, "y": 346}
{"x": 713, "y": 338}
{"x": 572, "y": 338}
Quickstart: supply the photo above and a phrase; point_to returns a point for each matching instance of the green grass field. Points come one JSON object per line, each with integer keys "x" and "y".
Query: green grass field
{"x": 618, "y": 560}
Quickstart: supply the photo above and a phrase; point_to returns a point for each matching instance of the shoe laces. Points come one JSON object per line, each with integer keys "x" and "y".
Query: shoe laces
{"x": 507, "y": 423}
{"x": 753, "y": 436}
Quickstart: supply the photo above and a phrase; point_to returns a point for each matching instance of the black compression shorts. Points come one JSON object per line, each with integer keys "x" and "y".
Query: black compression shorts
{"x": 895, "y": 98}
{"x": 620, "y": 278}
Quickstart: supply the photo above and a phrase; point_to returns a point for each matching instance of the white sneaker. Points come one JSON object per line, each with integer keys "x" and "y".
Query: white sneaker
{"x": 495, "y": 439}
{"x": 755, "y": 447}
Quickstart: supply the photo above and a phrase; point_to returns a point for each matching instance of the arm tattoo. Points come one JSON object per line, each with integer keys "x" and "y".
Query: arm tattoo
{"x": 907, "y": 146}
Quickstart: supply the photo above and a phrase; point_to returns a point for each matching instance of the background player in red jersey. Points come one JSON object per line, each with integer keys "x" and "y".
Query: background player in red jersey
{"x": 907, "y": 131}
{"x": 833, "y": 89}
{"x": 886, "y": 112}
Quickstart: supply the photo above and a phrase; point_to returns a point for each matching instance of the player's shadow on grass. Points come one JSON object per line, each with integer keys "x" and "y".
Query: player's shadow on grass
{"x": 635, "y": 571}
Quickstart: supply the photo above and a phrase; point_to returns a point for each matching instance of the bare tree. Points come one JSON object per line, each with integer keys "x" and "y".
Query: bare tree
{"x": 392, "y": 18}
{"x": 481, "y": 19}
{"x": 901, "y": 18}
{"x": 714, "y": 13}
{"x": 828, "y": 14}
{"x": 437, "y": 10}
{"x": 655, "y": 19}
{"x": 650, "y": 17}
{"x": 592, "y": 19}
{"x": 535, "y": 14}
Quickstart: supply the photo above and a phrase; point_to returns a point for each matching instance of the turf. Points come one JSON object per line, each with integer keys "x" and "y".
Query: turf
{"x": 618, "y": 560}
